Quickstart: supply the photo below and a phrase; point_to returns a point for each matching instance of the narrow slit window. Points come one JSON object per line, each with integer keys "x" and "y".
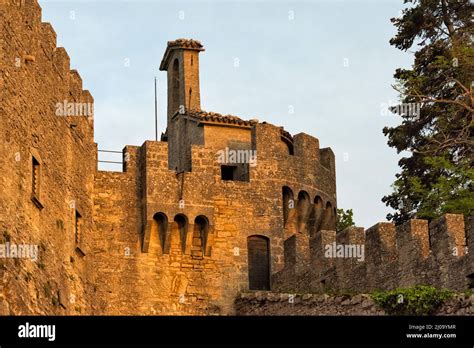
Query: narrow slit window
{"x": 35, "y": 178}
{"x": 77, "y": 227}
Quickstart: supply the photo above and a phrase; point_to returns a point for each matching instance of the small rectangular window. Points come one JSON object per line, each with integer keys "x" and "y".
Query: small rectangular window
{"x": 228, "y": 172}
{"x": 77, "y": 227}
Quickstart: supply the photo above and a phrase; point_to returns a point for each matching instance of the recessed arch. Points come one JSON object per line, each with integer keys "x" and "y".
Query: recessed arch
{"x": 318, "y": 212}
{"x": 318, "y": 201}
{"x": 303, "y": 195}
{"x": 200, "y": 236}
{"x": 160, "y": 227}
{"x": 182, "y": 222}
{"x": 289, "y": 146}
{"x": 303, "y": 209}
{"x": 288, "y": 202}
{"x": 329, "y": 218}
{"x": 287, "y": 139}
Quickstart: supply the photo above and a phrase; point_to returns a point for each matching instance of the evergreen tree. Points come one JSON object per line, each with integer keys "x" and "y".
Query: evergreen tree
{"x": 436, "y": 109}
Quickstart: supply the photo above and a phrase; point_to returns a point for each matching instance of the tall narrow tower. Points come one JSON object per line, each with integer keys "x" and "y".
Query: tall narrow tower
{"x": 181, "y": 61}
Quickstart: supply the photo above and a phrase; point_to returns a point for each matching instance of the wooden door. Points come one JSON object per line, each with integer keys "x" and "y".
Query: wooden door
{"x": 259, "y": 263}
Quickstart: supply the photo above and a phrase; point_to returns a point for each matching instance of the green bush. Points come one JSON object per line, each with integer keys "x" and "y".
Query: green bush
{"x": 418, "y": 300}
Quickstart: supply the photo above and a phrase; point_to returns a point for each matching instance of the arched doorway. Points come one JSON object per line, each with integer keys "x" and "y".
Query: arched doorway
{"x": 258, "y": 262}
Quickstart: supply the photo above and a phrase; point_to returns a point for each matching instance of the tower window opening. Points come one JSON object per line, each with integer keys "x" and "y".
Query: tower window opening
{"x": 229, "y": 173}
{"x": 35, "y": 178}
{"x": 77, "y": 227}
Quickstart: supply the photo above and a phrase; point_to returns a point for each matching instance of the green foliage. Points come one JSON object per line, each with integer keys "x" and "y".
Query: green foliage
{"x": 344, "y": 219}
{"x": 450, "y": 191}
{"x": 418, "y": 300}
{"x": 436, "y": 176}
{"x": 468, "y": 293}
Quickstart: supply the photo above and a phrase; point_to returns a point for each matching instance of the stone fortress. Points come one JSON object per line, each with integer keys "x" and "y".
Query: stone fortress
{"x": 179, "y": 230}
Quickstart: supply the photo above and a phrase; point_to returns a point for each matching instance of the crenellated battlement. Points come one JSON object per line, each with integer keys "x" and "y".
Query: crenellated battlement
{"x": 48, "y": 37}
{"x": 298, "y": 155}
{"x": 47, "y": 128}
{"x": 271, "y": 140}
{"x": 38, "y": 45}
{"x": 386, "y": 256}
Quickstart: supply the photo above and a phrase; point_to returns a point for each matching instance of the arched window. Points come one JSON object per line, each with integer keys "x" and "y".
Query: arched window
{"x": 318, "y": 212}
{"x": 160, "y": 226}
{"x": 288, "y": 203}
{"x": 259, "y": 262}
{"x": 287, "y": 139}
{"x": 288, "y": 147}
{"x": 182, "y": 222}
{"x": 304, "y": 204}
{"x": 175, "y": 85}
{"x": 201, "y": 230}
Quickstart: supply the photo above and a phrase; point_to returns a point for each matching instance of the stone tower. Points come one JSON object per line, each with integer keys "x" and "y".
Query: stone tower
{"x": 181, "y": 61}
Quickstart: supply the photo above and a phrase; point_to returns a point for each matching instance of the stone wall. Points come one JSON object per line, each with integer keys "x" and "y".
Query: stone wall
{"x": 416, "y": 252}
{"x": 153, "y": 240}
{"x": 324, "y": 304}
{"x": 34, "y": 77}
{"x": 169, "y": 276}
{"x": 122, "y": 264}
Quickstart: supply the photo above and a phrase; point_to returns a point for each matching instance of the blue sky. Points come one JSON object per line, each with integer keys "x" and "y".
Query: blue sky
{"x": 320, "y": 67}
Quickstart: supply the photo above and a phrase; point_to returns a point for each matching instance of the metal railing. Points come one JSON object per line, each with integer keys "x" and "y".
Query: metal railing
{"x": 110, "y": 151}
